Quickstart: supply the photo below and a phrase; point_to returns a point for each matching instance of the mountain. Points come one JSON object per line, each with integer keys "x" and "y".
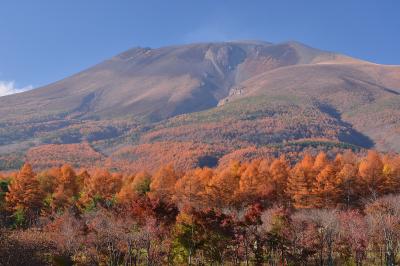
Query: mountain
{"x": 200, "y": 104}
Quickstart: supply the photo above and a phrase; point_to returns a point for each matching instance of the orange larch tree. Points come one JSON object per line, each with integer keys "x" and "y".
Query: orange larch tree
{"x": 279, "y": 171}
{"x": 347, "y": 178}
{"x": 391, "y": 173}
{"x": 191, "y": 188}
{"x": 300, "y": 182}
{"x": 224, "y": 185}
{"x": 321, "y": 160}
{"x": 67, "y": 190}
{"x": 24, "y": 193}
{"x": 101, "y": 186}
{"x": 372, "y": 180}
{"x": 163, "y": 182}
{"x": 255, "y": 181}
{"x": 325, "y": 190}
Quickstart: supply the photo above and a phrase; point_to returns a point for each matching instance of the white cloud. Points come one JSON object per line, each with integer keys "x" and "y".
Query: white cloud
{"x": 9, "y": 87}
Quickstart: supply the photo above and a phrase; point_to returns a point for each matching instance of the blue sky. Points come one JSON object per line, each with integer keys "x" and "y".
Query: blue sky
{"x": 43, "y": 41}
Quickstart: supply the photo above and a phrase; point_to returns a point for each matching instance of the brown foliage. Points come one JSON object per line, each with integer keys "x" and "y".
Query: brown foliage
{"x": 24, "y": 192}
{"x": 101, "y": 185}
{"x": 67, "y": 189}
{"x": 77, "y": 155}
{"x": 240, "y": 213}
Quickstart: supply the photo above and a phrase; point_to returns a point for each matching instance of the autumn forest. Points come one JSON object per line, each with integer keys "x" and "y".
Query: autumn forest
{"x": 320, "y": 210}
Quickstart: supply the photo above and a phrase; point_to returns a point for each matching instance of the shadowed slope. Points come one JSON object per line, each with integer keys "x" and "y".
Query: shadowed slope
{"x": 365, "y": 96}
{"x": 223, "y": 97}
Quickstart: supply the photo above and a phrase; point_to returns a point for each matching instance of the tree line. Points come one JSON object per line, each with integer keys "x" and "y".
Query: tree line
{"x": 269, "y": 211}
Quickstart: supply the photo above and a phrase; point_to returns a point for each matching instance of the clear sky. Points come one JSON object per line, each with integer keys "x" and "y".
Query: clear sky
{"x": 42, "y": 41}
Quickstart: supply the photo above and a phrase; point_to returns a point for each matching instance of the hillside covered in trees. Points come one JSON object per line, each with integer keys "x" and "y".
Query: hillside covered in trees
{"x": 210, "y": 100}
{"x": 322, "y": 210}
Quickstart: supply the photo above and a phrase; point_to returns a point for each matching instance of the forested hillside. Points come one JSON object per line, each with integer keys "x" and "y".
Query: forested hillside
{"x": 216, "y": 98}
{"x": 322, "y": 210}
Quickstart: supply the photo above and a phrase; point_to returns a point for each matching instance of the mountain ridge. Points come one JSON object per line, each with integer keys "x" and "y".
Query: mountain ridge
{"x": 137, "y": 52}
{"x": 271, "y": 93}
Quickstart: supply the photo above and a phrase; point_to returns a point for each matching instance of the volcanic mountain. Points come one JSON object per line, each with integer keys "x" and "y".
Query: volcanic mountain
{"x": 200, "y": 104}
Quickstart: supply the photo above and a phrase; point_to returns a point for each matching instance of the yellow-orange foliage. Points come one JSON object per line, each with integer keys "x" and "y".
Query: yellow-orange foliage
{"x": 67, "y": 189}
{"x": 133, "y": 186}
{"x": 279, "y": 170}
{"x": 255, "y": 180}
{"x": 162, "y": 186}
{"x": 300, "y": 182}
{"x": 319, "y": 181}
{"x": 371, "y": 174}
{"x": 321, "y": 160}
{"x": 325, "y": 191}
{"x": 391, "y": 173}
{"x": 24, "y": 191}
{"x": 348, "y": 183}
{"x": 191, "y": 188}
{"x": 101, "y": 184}
{"x": 224, "y": 185}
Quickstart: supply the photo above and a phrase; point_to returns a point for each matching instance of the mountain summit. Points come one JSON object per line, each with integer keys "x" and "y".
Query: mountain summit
{"x": 161, "y": 83}
{"x": 215, "y": 98}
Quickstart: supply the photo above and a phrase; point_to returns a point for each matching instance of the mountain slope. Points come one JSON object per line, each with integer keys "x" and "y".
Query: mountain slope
{"x": 159, "y": 83}
{"x": 364, "y": 95}
{"x": 221, "y": 96}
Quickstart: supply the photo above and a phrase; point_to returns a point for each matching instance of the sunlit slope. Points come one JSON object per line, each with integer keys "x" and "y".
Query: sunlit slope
{"x": 215, "y": 98}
